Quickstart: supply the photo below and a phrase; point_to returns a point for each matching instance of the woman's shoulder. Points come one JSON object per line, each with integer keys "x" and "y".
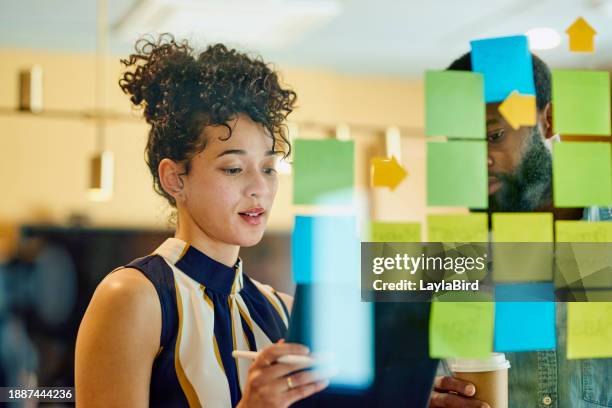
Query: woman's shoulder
{"x": 127, "y": 290}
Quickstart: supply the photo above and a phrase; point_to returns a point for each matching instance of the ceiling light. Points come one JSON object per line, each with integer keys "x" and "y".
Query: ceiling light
{"x": 543, "y": 38}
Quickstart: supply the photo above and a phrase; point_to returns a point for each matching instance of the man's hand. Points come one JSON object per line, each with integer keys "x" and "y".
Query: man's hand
{"x": 451, "y": 392}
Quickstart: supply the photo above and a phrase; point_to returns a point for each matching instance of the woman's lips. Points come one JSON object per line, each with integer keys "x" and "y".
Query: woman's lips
{"x": 252, "y": 219}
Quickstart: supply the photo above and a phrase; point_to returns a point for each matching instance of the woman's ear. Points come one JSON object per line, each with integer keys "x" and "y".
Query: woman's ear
{"x": 170, "y": 174}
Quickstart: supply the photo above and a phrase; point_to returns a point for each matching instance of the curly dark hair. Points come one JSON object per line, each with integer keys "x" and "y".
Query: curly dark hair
{"x": 183, "y": 93}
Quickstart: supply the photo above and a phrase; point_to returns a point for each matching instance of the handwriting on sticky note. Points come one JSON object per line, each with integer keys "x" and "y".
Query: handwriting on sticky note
{"x": 589, "y": 330}
{"x": 457, "y": 228}
{"x": 395, "y": 232}
{"x": 461, "y": 329}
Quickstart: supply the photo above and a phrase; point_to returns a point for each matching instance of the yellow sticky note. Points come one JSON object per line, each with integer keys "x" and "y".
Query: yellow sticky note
{"x": 513, "y": 259}
{"x": 589, "y": 330}
{"x": 583, "y": 255}
{"x": 522, "y": 227}
{"x": 387, "y": 172}
{"x": 395, "y": 232}
{"x": 583, "y": 231}
{"x": 581, "y": 36}
{"x": 457, "y": 228}
{"x": 519, "y": 110}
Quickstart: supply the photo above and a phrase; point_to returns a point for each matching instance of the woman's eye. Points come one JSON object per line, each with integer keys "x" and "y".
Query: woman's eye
{"x": 269, "y": 170}
{"x": 495, "y": 136}
{"x": 233, "y": 170}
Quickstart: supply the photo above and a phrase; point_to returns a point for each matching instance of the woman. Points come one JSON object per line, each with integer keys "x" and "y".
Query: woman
{"x": 160, "y": 331}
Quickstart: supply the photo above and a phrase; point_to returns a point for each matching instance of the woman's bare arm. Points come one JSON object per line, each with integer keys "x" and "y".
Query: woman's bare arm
{"x": 117, "y": 342}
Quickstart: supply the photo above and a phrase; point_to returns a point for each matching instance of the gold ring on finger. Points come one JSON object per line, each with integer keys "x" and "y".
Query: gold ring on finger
{"x": 289, "y": 382}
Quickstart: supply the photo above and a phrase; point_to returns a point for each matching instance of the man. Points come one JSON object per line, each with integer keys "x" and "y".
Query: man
{"x": 520, "y": 180}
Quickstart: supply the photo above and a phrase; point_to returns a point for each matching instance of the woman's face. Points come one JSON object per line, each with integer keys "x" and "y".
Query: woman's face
{"x": 232, "y": 183}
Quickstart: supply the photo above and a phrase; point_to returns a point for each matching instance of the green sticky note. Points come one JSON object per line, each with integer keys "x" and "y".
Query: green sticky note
{"x": 323, "y": 172}
{"x": 395, "y": 232}
{"x": 457, "y": 174}
{"x": 454, "y": 104}
{"x": 582, "y": 175}
{"x": 457, "y": 228}
{"x": 513, "y": 260}
{"x": 583, "y": 231}
{"x": 522, "y": 227}
{"x": 589, "y": 330}
{"x": 581, "y": 102}
{"x": 461, "y": 329}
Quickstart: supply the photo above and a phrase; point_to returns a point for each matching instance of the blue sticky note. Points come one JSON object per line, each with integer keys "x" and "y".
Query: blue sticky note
{"x": 325, "y": 249}
{"x": 506, "y": 65}
{"x": 522, "y": 325}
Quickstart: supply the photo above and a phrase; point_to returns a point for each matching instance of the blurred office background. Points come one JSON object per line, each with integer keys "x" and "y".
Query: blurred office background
{"x": 65, "y": 128}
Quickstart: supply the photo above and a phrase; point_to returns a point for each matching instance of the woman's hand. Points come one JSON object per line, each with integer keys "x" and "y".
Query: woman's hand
{"x": 271, "y": 384}
{"x": 454, "y": 393}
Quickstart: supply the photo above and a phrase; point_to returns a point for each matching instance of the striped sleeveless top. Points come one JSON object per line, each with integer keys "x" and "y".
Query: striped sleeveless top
{"x": 208, "y": 310}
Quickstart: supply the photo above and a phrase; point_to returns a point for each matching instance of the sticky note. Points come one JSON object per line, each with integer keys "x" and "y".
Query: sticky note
{"x": 325, "y": 249}
{"x": 454, "y": 104}
{"x": 461, "y": 329}
{"x": 386, "y": 172}
{"x": 583, "y": 231}
{"x": 323, "y": 172}
{"x": 457, "y": 228}
{"x": 395, "y": 232}
{"x": 506, "y": 64}
{"x": 581, "y": 36}
{"x": 582, "y": 175}
{"x": 513, "y": 259}
{"x": 581, "y": 102}
{"x": 524, "y": 326}
{"x": 457, "y": 174}
{"x": 589, "y": 330}
{"x": 522, "y": 227}
{"x": 583, "y": 255}
{"x": 519, "y": 110}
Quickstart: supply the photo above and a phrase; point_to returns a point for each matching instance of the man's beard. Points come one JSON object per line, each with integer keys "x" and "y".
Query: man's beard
{"x": 529, "y": 187}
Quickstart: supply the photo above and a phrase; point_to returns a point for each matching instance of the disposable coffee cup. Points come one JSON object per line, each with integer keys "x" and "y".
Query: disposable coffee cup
{"x": 489, "y": 376}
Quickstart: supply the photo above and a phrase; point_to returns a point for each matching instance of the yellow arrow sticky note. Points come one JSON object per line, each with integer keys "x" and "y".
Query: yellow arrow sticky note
{"x": 387, "y": 172}
{"x": 519, "y": 110}
{"x": 581, "y": 36}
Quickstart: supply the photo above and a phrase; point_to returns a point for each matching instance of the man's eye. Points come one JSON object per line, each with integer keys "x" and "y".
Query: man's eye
{"x": 233, "y": 170}
{"x": 495, "y": 136}
{"x": 269, "y": 170}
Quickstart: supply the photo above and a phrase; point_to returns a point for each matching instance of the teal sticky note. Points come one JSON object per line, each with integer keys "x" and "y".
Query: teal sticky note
{"x": 525, "y": 317}
{"x": 582, "y": 174}
{"x": 461, "y": 329}
{"x": 454, "y": 104}
{"x": 506, "y": 64}
{"x": 457, "y": 174}
{"x": 323, "y": 172}
{"x": 581, "y": 102}
{"x": 325, "y": 248}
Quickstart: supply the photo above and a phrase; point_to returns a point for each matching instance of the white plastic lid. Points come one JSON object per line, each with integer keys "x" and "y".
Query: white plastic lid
{"x": 497, "y": 361}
